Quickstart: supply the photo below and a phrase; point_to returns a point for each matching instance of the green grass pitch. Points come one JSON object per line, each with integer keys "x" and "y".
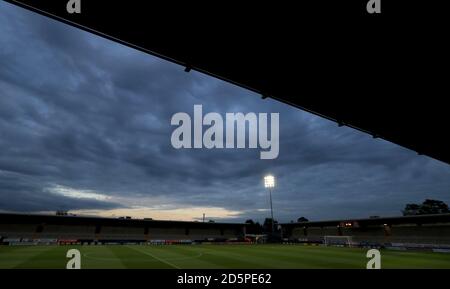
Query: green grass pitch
{"x": 214, "y": 256}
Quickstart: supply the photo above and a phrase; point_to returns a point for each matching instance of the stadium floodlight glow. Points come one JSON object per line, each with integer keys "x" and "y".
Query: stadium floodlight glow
{"x": 269, "y": 181}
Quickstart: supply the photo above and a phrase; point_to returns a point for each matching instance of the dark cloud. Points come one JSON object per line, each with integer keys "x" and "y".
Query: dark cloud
{"x": 22, "y": 192}
{"x": 85, "y": 113}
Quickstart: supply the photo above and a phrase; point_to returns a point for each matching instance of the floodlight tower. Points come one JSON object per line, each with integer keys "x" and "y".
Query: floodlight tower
{"x": 269, "y": 182}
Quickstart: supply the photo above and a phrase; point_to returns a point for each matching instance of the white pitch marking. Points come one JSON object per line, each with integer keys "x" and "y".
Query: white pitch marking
{"x": 153, "y": 256}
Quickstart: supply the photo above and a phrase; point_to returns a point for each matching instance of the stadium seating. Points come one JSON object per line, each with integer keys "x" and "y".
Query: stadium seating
{"x": 201, "y": 234}
{"x": 315, "y": 234}
{"x": 167, "y": 233}
{"x": 18, "y": 230}
{"x": 30, "y": 229}
{"x": 121, "y": 233}
{"x": 424, "y": 234}
{"x": 409, "y": 235}
{"x": 298, "y": 232}
{"x": 74, "y": 230}
{"x": 67, "y": 232}
{"x": 372, "y": 234}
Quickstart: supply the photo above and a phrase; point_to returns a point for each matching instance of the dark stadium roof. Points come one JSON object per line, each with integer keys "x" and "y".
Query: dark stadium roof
{"x": 382, "y": 76}
{"x": 9, "y": 218}
{"x": 403, "y": 220}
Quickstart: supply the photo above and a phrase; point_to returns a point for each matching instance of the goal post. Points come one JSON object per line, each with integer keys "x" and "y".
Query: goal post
{"x": 338, "y": 241}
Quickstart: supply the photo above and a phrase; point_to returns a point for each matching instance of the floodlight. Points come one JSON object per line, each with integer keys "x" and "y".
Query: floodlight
{"x": 269, "y": 181}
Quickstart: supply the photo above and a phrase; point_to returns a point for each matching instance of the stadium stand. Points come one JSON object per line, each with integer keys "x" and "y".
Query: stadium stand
{"x": 417, "y": 232}
{"x": 424, "y": 231}
{"x": 366, "y": 234}
{"x": 63, "y": 232}
{"x": 18, "y": 230}
{"x": 121, "y": 233}
{"x": 167, "y": 233}
{"x": 41, "y": 229}
{"x": 421, "y": 234}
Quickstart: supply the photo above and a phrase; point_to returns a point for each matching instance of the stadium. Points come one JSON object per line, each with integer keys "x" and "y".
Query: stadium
{"x": 40, "y": 241}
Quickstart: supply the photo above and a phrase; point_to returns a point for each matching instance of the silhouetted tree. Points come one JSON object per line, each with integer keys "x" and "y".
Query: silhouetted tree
{"x": 267, "y": 225}
{"x": 302, "y": 219}
{"x": 250, "y": 222}
{"x": 427, "y": 207}
{"x": 411, "y": 210}
{"x": 253, "y": 228}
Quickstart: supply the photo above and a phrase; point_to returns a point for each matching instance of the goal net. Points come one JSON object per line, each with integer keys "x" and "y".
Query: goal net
{"x": 344, "y": 241}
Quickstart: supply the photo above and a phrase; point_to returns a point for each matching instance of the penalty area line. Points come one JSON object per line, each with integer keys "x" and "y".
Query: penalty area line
{"x": 154, "y": 257}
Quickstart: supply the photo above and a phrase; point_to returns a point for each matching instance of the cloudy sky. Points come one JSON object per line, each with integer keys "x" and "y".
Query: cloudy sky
{"x": 85, "y": 127}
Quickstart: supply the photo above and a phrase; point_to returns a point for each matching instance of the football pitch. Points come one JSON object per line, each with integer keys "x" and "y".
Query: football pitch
{"x": 213, "y": 257}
